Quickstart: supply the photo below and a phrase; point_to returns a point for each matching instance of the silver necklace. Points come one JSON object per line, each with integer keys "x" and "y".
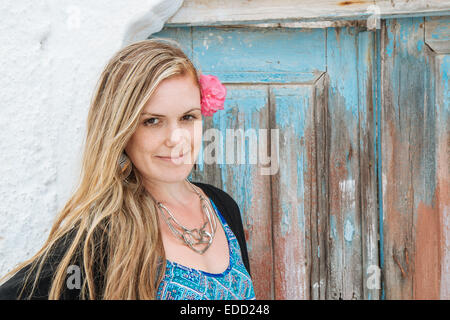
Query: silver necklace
{"x": 198, "y": 239}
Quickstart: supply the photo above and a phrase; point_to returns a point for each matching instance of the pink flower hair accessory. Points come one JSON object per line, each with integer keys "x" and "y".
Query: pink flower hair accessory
{"x": 213, "y": 94}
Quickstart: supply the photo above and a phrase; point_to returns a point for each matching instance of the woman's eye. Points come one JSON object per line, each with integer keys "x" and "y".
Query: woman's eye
{"x": 156, "y": 121}
{"x": 150, "y": 122}
{"x": 189, "y": 119}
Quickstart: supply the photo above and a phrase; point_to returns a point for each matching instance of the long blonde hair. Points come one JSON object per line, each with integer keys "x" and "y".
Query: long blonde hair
{"x": 114, "y": 221}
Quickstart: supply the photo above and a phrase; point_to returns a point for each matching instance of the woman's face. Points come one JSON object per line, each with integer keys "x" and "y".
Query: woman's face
{"x": 169, "y": 126}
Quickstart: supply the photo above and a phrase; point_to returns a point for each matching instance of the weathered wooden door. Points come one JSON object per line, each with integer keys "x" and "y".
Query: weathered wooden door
{"x": 334, "y": 144}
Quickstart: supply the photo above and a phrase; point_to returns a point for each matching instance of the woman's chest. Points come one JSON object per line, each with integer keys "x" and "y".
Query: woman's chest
{"x": 215, "y": 259}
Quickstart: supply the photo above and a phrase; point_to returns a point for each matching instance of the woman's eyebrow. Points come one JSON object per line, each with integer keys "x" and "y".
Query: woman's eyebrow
{"x": 161, "y": 115}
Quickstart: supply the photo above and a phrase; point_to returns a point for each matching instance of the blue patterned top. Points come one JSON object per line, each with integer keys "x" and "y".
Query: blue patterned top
{"x": 184, "y": 283}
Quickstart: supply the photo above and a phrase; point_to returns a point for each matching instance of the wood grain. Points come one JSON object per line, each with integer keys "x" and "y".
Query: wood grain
{"x": 367, "y": 78}
{"x": 413, "y": 145}
{"x": 442, "y": 64}
{"x": 344, "y": 176}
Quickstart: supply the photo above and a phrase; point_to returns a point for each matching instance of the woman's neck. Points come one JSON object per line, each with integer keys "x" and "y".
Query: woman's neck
{"x": 172, "y": 193}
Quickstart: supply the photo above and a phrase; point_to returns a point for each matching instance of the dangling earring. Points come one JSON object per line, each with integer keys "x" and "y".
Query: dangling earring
{"x": 125, "y": 165}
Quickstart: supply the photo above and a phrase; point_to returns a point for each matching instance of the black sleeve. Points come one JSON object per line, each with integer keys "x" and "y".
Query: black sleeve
{"x": 240, "y": 234}
{"x": 11, "y": 289}
{"x": 230, "y": 211}
{"x": 23, "y": 279}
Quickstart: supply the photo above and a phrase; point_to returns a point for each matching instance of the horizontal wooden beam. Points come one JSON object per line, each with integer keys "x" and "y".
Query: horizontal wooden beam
{"x": 307, "y": 12}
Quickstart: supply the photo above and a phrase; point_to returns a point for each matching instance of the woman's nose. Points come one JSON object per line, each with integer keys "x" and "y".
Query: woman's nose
{"x": 176, "y": 135}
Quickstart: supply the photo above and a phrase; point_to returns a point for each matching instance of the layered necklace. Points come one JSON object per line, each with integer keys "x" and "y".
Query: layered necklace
{"x": 198, "y": 239}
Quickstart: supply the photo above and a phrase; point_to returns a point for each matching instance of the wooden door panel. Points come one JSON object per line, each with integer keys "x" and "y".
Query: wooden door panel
{"x": 415, "y": 148}
{"x": 292, "y": 114}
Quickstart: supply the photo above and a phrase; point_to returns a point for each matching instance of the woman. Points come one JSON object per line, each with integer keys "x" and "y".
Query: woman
{"x": 136, "y": 228}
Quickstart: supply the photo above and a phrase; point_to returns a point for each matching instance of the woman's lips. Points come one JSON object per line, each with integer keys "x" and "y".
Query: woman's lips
{"x": 177, "y": 159}
{"x": 169, "y": 158}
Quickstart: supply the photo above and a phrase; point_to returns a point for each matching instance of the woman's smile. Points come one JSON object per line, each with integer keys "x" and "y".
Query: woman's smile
{"x": 176, "y": 160}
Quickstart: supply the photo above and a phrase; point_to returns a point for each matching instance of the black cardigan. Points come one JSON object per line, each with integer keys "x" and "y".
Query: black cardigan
{"x": 10, "y": 289}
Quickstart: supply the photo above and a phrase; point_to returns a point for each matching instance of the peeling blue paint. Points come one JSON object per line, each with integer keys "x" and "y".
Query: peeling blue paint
{"x": 300, "y": 192}
{"x": 442, "y": 31}
{"x": 420, "y": 45}
{"x": 247, "y": 55}
{"x": 342, "y": 68}
{"x": 349, "y": 231}
{"x": 286, "y": 211}
{"x": 333, "y": 227}
{"x": 289, "y": 101}
{"x": 390, "y": 45}
{"x": 445, "y": 67}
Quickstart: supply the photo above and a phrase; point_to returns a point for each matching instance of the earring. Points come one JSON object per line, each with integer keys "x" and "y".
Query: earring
{"x": 125, "y": 165}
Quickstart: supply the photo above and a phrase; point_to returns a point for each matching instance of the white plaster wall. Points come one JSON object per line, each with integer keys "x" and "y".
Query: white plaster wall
{"x": 52, "y": 53}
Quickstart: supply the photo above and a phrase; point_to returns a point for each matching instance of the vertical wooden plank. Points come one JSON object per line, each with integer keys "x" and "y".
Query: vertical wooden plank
{"x": 442, "y": 167}
{"x": 312, "y": 216}
{"x": 368, "y": 184}
{"x": 427, "y": 263}
{"x": 397, "y": 102}
{"x": 437, "y": 37}
{"x": 345, "y": 276}
{"x": 291, "y": 113}
{"x": 245, "y": 113}
{"x": 411, "y": 219}
{"x": 319, "y": 221}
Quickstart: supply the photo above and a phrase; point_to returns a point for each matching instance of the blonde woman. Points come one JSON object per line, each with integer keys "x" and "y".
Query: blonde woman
{"x": 136, "y": 228}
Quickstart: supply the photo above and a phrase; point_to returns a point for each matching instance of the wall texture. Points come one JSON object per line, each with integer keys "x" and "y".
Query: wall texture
{"x": 52, "y": 53}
